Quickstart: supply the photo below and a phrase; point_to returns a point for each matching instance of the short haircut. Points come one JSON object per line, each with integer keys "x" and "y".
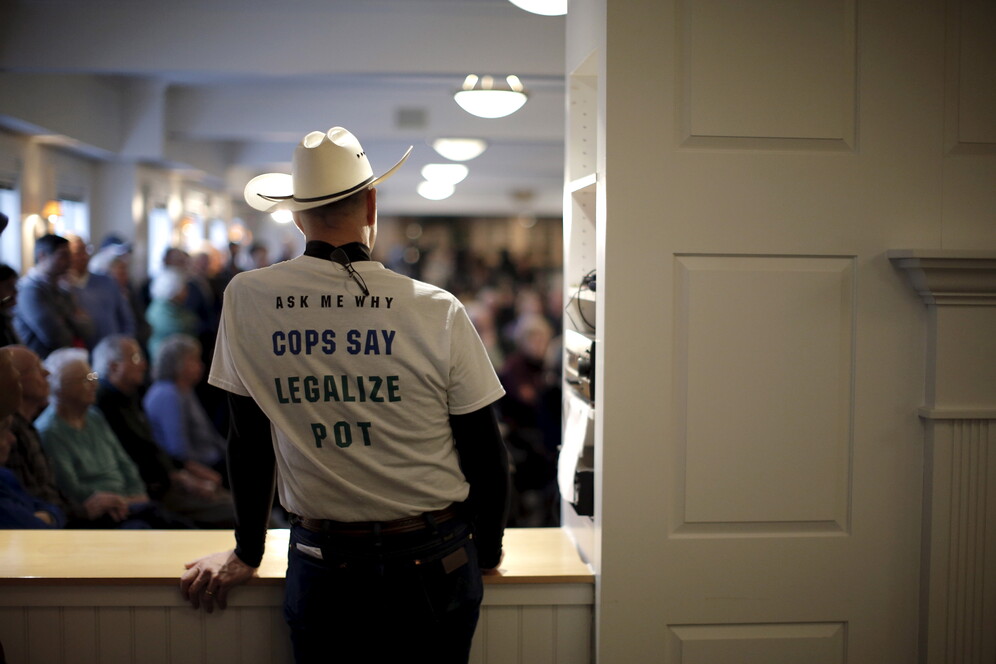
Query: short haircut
{"x": 46, "y": 245}
{"x": 58, "y": 360}
{"x": 111, "y": 349}
{"x": 169, "y": 356}
{"x": 332, "y": 213}
{"x": 168, "y": 284}
{"x": 7, "y": 272}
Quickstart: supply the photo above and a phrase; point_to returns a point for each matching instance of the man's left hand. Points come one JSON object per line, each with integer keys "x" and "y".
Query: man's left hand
{"x": 207, "y": 580}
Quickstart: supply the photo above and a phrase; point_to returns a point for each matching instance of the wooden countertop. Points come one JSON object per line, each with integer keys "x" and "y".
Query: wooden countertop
{"x": 135, "y": 557}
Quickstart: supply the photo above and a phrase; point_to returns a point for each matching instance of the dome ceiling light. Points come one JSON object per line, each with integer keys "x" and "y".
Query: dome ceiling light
{"x": 459, "y": 149}
{"x": 543, "y": 7}
{"x": 445, "y": 173}
{"x": 486, "y": 98}
{"x": 435, "y": 191}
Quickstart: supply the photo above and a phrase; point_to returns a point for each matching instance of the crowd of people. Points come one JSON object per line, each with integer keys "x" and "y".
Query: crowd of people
{"x": 517, "y": 309}
{"x": 98, "y": 440}
{"x": 94, "y": 441}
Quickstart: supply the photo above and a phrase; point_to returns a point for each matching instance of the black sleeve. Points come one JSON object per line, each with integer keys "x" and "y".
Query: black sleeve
{"x": 484, "y": 462}
{"x": 252, "y": 471}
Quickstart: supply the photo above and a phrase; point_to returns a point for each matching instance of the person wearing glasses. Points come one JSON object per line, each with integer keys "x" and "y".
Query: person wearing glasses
{"x": 372, "y": 394}
{"x": 91, "y": 468}
{"x": 183, "y": 486}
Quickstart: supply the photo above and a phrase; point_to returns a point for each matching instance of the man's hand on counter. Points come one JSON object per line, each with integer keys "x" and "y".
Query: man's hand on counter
{"x": 207, "y": 580}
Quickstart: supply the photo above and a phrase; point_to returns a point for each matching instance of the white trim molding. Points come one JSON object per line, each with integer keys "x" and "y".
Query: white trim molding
{"x": 958, "y": 570}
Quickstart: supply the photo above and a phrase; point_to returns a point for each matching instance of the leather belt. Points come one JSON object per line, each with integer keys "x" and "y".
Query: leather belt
{"x": 407, "y": 524}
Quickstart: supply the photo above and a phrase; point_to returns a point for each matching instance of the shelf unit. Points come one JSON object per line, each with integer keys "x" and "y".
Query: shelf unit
{"x": 581, "y": 204}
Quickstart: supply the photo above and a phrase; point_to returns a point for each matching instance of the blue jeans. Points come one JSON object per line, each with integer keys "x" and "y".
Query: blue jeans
{"x": 388, "y": 598}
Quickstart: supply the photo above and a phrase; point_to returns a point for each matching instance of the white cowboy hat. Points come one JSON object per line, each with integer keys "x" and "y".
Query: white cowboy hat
{"x": 328, "y": 166}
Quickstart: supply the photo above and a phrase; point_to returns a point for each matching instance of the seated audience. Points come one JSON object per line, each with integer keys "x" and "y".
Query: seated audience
{"x": 27, "y": 459}
{"x": 10, "y": 398}
{"x": 18, "y": 508}
{"x": 8, "y": 299}
{"x": 179, "y": 422}
{"x": 46, "y": 316}
{"x": 186, "y": 488}
{"x": 97, "y": 294}
{"x": 167, "y": 313}
{"x": 91, "y": 467}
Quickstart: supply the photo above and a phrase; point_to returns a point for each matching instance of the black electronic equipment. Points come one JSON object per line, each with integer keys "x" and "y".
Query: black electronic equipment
{"x": 579, "y": 364}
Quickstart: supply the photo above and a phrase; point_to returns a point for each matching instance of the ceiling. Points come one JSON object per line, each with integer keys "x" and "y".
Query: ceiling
{"x": 226, "y": 88}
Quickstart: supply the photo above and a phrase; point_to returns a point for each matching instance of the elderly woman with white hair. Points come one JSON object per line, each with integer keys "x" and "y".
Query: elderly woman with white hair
{"x": 179, "y": 422}
{"x": 91, "y": 468}
{"x": 166, "y": 313}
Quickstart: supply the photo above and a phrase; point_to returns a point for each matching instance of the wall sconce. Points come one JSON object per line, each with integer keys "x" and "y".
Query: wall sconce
{"x": 544, "y": 7}
{"x": 52, "y": 210}
{"x": 484, "y": 97}
{"x": 459, "y": 149}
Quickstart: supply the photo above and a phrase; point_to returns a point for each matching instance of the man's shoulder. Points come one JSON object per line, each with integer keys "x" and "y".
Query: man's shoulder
{"x": 46, "y": 421}
{"x": 31, "y": 284}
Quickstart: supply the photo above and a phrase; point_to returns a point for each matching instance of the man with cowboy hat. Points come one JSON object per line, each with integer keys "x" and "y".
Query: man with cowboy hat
{"x": 376, "y": 392}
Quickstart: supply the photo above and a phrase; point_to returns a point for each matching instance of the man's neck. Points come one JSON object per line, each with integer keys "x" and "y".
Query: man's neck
{"x": 73, "y": 414}
{"x": 121, "y": 387}
{"x": 336, "y": 238}
{"x": 30, "y": 408}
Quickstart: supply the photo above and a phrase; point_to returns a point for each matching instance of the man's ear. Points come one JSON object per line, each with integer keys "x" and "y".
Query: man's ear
{"x": 371, "y": 206}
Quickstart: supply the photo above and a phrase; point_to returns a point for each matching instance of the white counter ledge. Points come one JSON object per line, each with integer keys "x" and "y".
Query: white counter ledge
{"x": 113, "y": 596}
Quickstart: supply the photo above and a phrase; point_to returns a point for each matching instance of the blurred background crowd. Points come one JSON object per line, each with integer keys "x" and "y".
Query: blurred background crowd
{"x": 115, "y": 426}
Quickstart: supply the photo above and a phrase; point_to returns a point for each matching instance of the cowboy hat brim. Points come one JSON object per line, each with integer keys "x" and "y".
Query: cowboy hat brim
{"x": 275, "y": 191}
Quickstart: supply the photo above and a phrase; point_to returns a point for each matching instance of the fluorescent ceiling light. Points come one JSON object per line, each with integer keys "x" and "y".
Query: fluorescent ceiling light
{"x": 459, "y": 149}
{"x": 483, "y": 97}
{"x": 435, "y": 191}
{"x": 445, "y": 173}
{"x": 544, "y": 7}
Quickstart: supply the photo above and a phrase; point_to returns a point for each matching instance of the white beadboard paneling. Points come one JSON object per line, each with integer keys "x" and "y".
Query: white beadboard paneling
{"x": 115, "y": 634}
{"x": 504, "y": 636}
{"x": 538, "y": 624}
{"x": 519, "y": 624}
{"x": 79, "y": 632}
{"x": 960, "y": 597}
{"x": 186, "y": 635}
{"x": 45, "y": 636}
{"x": 14, "y": 634}
{"x": 151, "y": 642}
{"x": 573, "y": 635}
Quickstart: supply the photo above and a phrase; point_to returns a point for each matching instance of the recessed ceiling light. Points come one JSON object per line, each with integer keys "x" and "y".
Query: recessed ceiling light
{"x": 459, "y": 149}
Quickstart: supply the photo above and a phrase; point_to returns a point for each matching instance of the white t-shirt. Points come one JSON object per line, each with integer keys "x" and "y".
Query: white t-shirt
{"x": 358, "y": 389}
